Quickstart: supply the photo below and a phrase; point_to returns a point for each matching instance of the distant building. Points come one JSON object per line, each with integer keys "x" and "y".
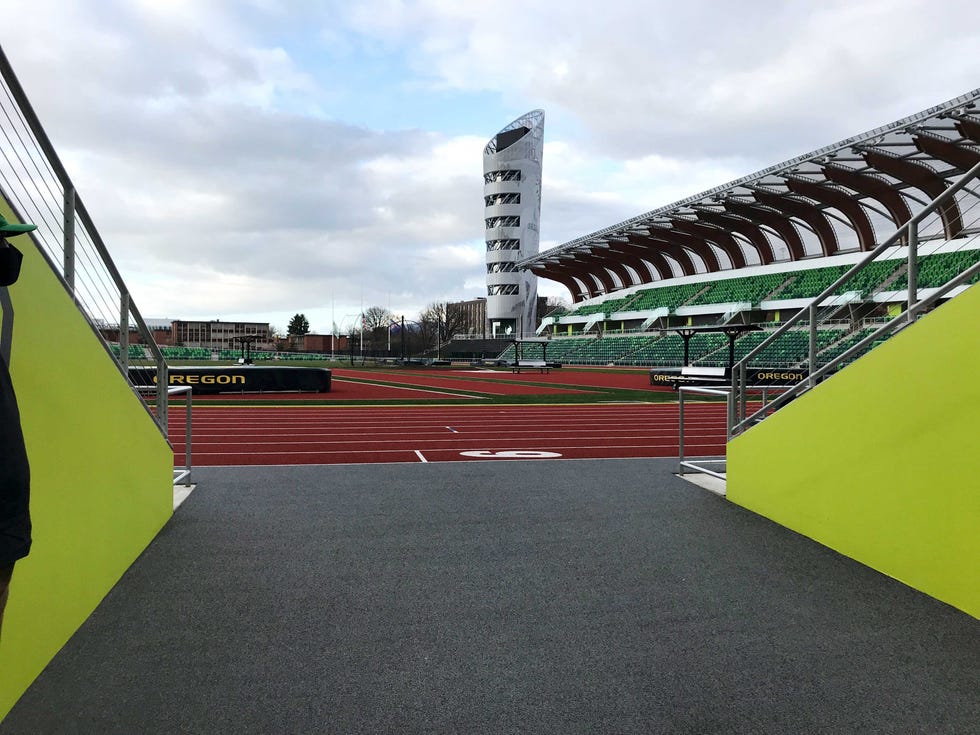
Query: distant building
{"x": 467, "y": 317}
{"x": 512, "y": 215}
{"x": 218, "y": 335}
{"x": 324, "y": 343}
{"x": 160, "y": 330}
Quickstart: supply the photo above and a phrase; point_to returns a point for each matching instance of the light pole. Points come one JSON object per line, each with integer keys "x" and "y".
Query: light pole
{"x": 401, "y": 326}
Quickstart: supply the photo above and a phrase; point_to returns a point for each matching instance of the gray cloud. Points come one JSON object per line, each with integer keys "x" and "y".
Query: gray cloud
{"x": 702, "y": 79}
{"x": 224, "y": 181}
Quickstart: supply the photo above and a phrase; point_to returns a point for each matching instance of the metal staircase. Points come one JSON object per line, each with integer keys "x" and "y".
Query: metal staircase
{"x": 926, "y": 224}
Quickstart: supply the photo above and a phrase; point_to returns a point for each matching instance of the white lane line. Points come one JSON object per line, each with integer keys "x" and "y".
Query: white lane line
{"x": 421, "y": 456}
{"x": 419, "y": 388}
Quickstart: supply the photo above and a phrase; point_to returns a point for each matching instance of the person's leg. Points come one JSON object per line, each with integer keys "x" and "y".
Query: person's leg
{"x": 5, "y": 574}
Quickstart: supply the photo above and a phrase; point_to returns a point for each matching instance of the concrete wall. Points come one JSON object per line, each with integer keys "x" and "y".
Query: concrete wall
{"x": 101, "y": 473}
{"x": 880, "y": 462}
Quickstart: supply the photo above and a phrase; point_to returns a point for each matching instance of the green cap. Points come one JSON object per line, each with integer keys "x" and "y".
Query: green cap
{"x": 12, "y": 228}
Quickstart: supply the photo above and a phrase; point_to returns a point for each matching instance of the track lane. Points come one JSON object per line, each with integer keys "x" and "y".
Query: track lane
{"x": 334, "y": 435}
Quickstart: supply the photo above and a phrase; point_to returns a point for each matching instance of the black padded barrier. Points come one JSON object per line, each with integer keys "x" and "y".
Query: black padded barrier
{"x": 240, "y": 379}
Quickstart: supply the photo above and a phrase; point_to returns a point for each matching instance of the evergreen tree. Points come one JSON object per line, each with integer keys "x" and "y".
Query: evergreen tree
{"x": 298, "y": 325}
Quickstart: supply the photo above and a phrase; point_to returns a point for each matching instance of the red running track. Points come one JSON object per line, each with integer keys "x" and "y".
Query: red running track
{"x": 487, "y": 382}
{"x": 258, "y": 435}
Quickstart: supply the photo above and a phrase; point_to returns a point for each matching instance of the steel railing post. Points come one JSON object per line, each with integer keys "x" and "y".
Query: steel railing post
{"x": 124, "y": 329}
{"x": 162, "y": 396}
{"x": 813, "y": 342}
{"x": 730, "y": 409}
{"x": 187, "y": 438}
{"x": 680, "y": 431}
{"x": 730, "y": 406}
{"x": 743, "y": 390}
{"x": 733, "y": 386}
{"x": 913, "y": 271}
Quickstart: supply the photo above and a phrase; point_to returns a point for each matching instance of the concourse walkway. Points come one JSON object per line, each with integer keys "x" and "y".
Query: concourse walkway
{"x": 601, "y": 596}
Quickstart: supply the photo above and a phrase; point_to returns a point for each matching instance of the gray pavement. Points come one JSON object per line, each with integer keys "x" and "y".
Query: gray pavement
{"x": 499, "y": 597}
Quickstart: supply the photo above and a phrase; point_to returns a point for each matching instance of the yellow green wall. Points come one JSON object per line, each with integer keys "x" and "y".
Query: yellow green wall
{"x": 101, "y": 473}
{"x": 880, "y": 462}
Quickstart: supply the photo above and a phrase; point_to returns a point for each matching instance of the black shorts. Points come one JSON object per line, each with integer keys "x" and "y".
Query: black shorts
{"x": 15, "y": 478}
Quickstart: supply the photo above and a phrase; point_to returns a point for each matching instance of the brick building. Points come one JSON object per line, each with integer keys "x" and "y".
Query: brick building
{"x": 220, "y": 335}
{"x": 160, "y": 329}
{"x": 325, "y": 343}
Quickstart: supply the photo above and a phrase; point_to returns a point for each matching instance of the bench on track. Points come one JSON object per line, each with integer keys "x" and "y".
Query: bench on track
{"x": 540, "y": 365}
{"x": 705, "y": 376}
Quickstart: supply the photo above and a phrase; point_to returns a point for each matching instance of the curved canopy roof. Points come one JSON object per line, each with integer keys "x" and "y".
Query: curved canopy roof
{"x": 843, "y": 197}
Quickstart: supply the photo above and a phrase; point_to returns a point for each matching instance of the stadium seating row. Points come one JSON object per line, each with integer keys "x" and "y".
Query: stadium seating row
{"x": 934, "y": 271}
{"x": 705, "y": 349}
{"x": 138, "y": 352}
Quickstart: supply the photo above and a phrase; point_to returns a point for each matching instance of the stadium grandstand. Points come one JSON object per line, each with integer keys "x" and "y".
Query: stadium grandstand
{"x": 758, "y": 249}
{"x": 838, "y": 254}
{"x": 478, "y": 595}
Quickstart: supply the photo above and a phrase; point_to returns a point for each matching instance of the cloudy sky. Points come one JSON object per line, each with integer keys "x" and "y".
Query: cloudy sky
{"x": 252, "y": 159}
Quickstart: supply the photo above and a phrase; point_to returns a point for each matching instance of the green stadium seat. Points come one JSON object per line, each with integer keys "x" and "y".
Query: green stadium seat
{"x": 669, "y": 297}
{"x": 940, "y": 268}
{"x": 752, "y": 289}
{"x": 809, "y": 283}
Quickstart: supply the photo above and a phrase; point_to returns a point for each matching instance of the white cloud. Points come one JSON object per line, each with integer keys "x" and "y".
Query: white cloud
{"x": 205, "y": 136}
{"x": 701, "y": 78}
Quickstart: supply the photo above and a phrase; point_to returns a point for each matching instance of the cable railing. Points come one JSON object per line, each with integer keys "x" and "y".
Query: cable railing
{"x": 929, "y": 223}
{"x": 38, "y": 188}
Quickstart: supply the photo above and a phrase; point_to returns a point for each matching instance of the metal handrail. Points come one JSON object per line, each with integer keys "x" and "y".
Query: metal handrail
{"x": 71, "y": 208}
{"x": 894, "y": 324}
{"x": 180, "y": 473}
{"x": 184, "y": 473}
{"x": 683, "y": 464}
{"x": 740, "y": 421}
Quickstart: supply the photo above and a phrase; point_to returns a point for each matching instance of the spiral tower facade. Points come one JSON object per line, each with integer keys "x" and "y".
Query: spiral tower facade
{"x": 512, "y": 214}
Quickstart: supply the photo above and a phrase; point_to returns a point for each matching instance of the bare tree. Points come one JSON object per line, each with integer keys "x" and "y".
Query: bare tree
{"x": 439, "y": 323}
{"x": 377, "y": 317}
{"x": 556, "y": 303}
{"x": 376, "y": 322}
{"x": 457, "y": 320}
{"x": 431, "y": 320}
